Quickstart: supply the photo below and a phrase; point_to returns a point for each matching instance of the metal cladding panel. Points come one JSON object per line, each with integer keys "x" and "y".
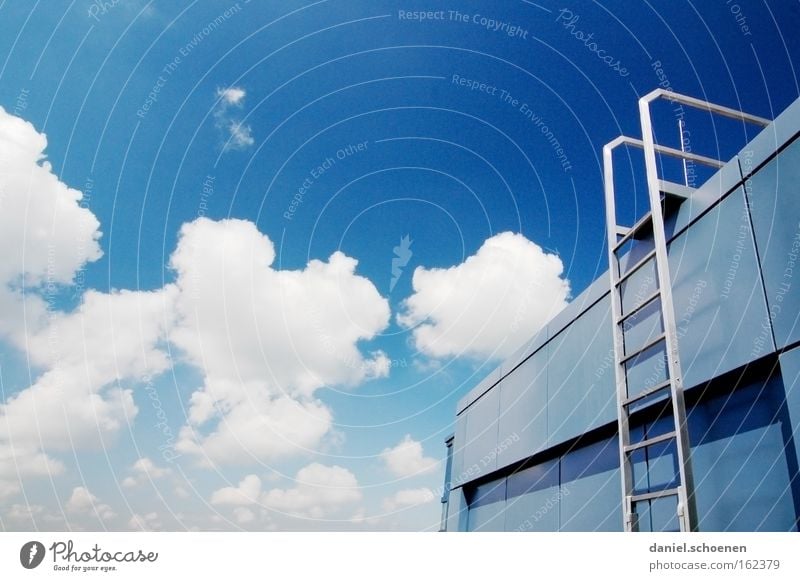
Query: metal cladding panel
{"x": 457, "y": 511}
{"x": 485, "y": 385}
{"x": 480, "y": 445}
{"x": 658, "y": 515}
{"x": 720, "y": 311}
{"x": 590, "y": 498}
{"x": 774, "y": 197}
{"x": 708, "y": 194}
{"x": 790, "y": 371}
{"x": 487, "y": 507}
{"x": 742, "y": 470}
{"x": 523, "y": 410}
{"x": 772, "y": 138}
{"x": 532, "y": 499}
{"x": 458, "y": 475}
{"x": 581, "y": 387}
{"x": 593, "y": 293}
{"x": 529, "y": 347}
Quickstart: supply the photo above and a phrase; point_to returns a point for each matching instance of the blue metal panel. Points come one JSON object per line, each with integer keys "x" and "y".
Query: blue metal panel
{"x": 775, "y": 208}
{"x": 536, "y": 343}
{"x": 639, "y": 286}
{"x": 485, "y": 385}
{"x": 742, "y": 476}
{"x": 591, "y": 498}
{"x": 480, "y": 446}
{"x": 658, "y": 515}
{"x": 763, "y": 145}
{"x": 457, "y": 511}
{"x": 533, "y": 499}
{"x": 580, "y": 376}
{"x": 643, "y": 327}
{"x": 579, "y": 304}
{"x": 633, "y": 251}
{"x": 523, "y": 410}
{"x": 662, "y": 458}
{"x": 647, "y": 369}
{"x": 487, "y": 507}
{"x": 704, "y": 197}
{"x": 790, "y": 370}
{"x": 458, "y": 474}
{"x": 717, "y": 293}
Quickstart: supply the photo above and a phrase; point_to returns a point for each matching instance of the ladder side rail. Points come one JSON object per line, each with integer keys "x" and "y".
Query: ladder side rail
{"x": 686, "y": 509}
{"x": 623, "y": 426}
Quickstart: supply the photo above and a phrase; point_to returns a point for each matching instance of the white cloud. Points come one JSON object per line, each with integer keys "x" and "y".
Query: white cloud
{"x": 266, "y": 341}
{"x": 407, "y": 458}
{"x": 144, "y": 470}
{"x": 84, "y": 357}
{"x": 488, "y": 305}
{"x": 246, "y": 493}
{"x": 243, "y": 515}
{"x": 232, "y": 95}
{"x": 237, "y": 135}
{"x": 20, "y": 461}
{"x": 241, "y": 135}
{"x": 147, "y": 522}
{"x": 146, "y": 467}
{"x": 82, "y": 502}
{"x": 45, "y": 233}
{"x": 408, "y": 498}
{"x": 81, "y": 399}
{"x": 319, "y": 490}
{"x": 25, "y": 513}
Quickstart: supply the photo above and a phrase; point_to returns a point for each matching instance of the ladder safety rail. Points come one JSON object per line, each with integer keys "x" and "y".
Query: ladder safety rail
{"x": 704, "y": 106}
{"x": 652, "y": 225}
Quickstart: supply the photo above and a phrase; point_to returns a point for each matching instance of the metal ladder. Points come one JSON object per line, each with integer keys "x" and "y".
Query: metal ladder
{"x": 652, "y": 303}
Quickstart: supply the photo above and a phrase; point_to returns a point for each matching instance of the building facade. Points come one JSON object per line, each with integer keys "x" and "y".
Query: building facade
{"x": 537, "y": 442}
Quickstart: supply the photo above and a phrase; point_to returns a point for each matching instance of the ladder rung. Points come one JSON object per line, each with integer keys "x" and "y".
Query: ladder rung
{"x": 621, "y": 230}
{"x": 657, "y": 494}
{"x": 650, "y": 442}
{"x": 675, "y": 189}
{"x": 640, "y": 306}
{"x": 647, "y": 393}
{"x": 633, "y": 230}
{"x": 654, "y": 341}
{"x": 636, "y": 267}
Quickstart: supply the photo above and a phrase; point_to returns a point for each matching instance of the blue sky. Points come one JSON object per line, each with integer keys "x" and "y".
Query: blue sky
{"x": 231, "y": 298}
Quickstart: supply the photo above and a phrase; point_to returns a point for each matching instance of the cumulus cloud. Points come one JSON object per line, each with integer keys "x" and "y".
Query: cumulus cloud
{"x": 246, "y": 493}
{"x": 488, "y": 305}
{"x": 83, "y": 502}
{"x": 266, "y": 341}
{"x": 46, "y": 233}
{"x": 243, "y": 515}
{"x": 144, "y": 470}
{"x": 408, "y": 498}
{"x": 81, "y": 399}
{"x": 21, "y": 461}
{"x": 407, "y": 458}
{"x": 319, "y": 491}
{"x": 147, "y": 522}
{"x": 83, "y": 358}
{"x": 236, "y": 134}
